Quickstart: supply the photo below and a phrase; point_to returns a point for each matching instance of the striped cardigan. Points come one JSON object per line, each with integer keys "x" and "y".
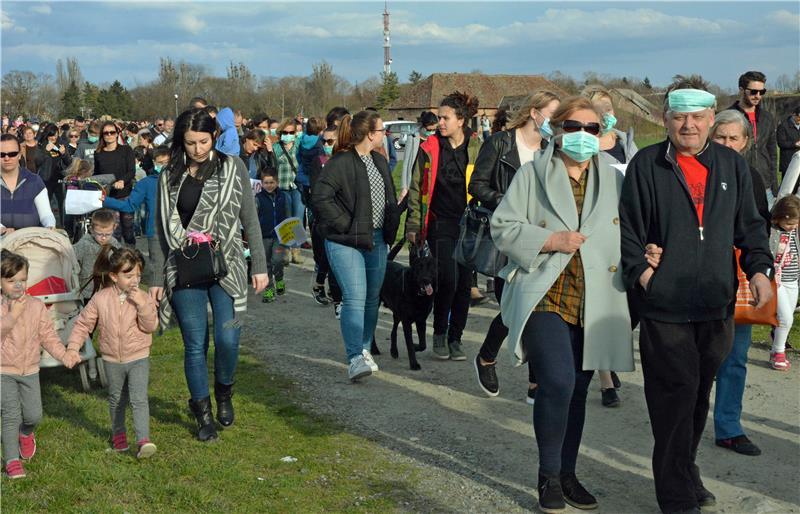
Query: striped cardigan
{"x": 225, "y": 203}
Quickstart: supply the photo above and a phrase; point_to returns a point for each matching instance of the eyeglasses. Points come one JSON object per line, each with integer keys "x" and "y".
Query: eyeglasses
{"x": 569, "y": 126}
{"x": 9, "y": 155}
{"x": 109, "y": 132}
{"x": 287, "y": 132}
{"x": 380, "y": 130}
{"x": 104, "y": 235}
{"x": 754, "y": 92}
{"x": 329, "y": 142}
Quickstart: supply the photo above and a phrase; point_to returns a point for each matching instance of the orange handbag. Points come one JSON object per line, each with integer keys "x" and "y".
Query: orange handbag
{"x": 747, "y": 314}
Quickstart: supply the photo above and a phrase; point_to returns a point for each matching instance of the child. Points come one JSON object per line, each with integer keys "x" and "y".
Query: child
{"x": 273, "y": 207}
{"x": 144, "y": 192}
{"x": 125, "y": 317}
{"x": 784, "y": 246}
{"x": 26, "y": 326}
{"x": 88, "y": 248}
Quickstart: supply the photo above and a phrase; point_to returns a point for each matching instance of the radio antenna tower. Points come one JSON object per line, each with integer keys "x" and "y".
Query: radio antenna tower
{"x": 387, "y": 45}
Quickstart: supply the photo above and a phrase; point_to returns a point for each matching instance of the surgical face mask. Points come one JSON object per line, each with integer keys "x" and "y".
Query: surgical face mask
{"x": 609, "y": 122}
{"x": 157, "y": 168}
{"x": 300, "y": 134}
{"x": 545, "y": 130}
{"x": 273, "y": 132}
{"x": 288, "y": 138}
{"x": 428, "y": 133}
{"x": 93, "y": 139}
{"x": 580, "y": 146}
{"x": 328, "y": 150}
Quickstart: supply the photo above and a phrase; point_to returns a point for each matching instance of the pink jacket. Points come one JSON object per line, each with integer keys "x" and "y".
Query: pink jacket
{"x": 124, "y": 329}
{"x": 21, "y": 340}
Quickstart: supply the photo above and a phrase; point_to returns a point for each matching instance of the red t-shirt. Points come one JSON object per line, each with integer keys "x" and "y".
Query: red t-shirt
{"x": 696, "y": 175}
{"x": 752, "y": 117}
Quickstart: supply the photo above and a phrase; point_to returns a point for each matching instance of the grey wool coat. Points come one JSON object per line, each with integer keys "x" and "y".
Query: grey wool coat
{"x": 539, "y": 201}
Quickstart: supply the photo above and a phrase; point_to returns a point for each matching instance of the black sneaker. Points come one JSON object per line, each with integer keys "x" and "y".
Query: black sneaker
{"x": 610, "y": 398}
{"x": 319, "y": 295}
{"x": 705, "y": 498}
{"x": 739, "y": 444}
{"x": 487, "y": 377}
{"x": 575, "y": 494}
{"x": 551, "y": 497}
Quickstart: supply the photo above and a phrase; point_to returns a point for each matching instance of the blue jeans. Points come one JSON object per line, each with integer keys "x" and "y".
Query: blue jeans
{"x": 190, "y": 306}
{"x": 296, "y": 207}
{"x": 360, "y": 276}
{"x": 730, "y": 386}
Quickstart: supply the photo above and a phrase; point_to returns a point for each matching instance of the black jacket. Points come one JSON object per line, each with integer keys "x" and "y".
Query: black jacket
{"x": 495, "y": 166}
{"x": 696, "y": 279}
{"x": 762, "y": 154}
{"x": 787, "y": 137}
{"x": 343, "y": 205}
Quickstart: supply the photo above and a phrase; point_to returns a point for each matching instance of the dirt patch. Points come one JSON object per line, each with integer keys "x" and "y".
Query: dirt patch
{"x": 478, "y": 454}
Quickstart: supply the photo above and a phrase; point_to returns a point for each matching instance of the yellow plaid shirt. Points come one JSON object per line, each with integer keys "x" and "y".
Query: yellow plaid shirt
{"x": 565, "y": 297}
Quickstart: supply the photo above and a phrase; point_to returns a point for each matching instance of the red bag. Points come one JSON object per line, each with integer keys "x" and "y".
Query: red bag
{"x": 747, "y": 314}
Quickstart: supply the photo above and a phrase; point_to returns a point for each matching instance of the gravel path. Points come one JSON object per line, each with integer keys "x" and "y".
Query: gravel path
{"x": 477, "y": 454}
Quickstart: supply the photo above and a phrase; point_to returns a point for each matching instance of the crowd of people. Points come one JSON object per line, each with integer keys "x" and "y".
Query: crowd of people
{"x": 599, "y": 238}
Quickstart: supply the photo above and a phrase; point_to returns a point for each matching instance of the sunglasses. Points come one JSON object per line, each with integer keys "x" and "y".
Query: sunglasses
{"x": 569, "y": 126}
{"x": 73, "y": 136}
{"x": 109, "y": 132}
{"x": 754, "y": 92}
{"x": 10, "y": 155}
{"x": 329, "y": 142}
{"x": 287, "y": 132}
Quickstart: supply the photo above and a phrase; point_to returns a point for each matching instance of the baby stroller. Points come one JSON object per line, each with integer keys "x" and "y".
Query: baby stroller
{"x": 53, "y": 279}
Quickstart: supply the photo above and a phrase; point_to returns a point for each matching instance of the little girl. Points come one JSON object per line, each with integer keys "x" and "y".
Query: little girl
{"x": 26, "y": 326}
{"x": 125, "y": 317}
{"x": 784, "y": 246}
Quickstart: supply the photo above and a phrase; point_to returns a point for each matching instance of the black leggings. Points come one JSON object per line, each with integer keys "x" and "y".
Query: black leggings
{"x": 555, "y": 348}
{"x": 321, "y": 265}
{"x": 497, "y": 334}
{"x": 453, "y": 281}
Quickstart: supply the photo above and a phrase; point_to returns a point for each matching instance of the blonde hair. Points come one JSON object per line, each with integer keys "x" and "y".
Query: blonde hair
{"x": 285, "y": 122}
{"x": 568, "y": 107}
{"x": 537, "y": 100}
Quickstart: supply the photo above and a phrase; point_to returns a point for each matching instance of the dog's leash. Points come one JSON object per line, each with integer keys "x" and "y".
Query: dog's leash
{"x": 399, "y": 245}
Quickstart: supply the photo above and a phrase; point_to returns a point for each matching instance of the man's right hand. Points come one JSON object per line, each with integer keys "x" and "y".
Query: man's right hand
{"x": 411, "y": 237}
{"x": 646, "y": 277}
{"x": 564, "y": 242}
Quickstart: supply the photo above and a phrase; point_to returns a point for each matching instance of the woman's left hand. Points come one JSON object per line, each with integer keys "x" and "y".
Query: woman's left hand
{"x": 260, "y": 282}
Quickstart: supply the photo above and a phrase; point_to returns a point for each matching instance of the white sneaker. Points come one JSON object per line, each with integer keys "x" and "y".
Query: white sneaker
{"x": 369, "y": 360}
{"x": 358, "y": 368}
{"x": 337, "y": 310}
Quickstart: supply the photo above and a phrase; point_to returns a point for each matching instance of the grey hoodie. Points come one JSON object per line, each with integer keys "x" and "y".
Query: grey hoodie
{"x": 87, "y": 250}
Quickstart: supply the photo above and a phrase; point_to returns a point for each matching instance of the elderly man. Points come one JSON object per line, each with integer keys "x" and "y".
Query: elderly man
{"x": 762, "y": 154}
{"x": 693, "y": 198}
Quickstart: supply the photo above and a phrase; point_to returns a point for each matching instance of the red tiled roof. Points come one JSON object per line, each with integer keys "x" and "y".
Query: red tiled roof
{"x": 490, "y": 89}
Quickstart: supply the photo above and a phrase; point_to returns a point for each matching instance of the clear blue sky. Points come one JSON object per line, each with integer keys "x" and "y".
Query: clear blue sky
{"x": 124, "y": 40}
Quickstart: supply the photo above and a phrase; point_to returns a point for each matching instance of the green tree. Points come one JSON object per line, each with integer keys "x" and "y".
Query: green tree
{"x": 414, "y": 77}
{"x": 71, "y": 101}
{"x": 390, "y": 91}
{"x": 91, "y": 99}
{"x": 119, "y": 99}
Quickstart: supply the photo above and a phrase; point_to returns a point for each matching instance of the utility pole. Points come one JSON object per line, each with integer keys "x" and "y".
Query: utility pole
{"x": 387, "y": 45}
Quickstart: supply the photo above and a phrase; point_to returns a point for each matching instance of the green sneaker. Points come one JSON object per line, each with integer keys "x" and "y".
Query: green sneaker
{"x": 268, "y": 296}
{"x": 440, "y": 347}
{"x": 455, "y": 351}
{"x": 280, "y": 287}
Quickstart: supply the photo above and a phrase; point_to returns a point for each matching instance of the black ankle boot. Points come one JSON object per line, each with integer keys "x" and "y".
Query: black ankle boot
{"x": 223, "y": 394}
{"x": 551, "y": 496}
{"x": 205, "y": 420}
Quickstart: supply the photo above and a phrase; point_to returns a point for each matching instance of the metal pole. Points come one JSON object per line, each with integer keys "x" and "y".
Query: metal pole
{"x": 176, "y": 105}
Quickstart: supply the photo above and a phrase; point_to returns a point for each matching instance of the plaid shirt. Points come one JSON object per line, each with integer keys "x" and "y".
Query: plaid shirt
{"x": 287, "y": 171}
{"x": 565, "y": 297}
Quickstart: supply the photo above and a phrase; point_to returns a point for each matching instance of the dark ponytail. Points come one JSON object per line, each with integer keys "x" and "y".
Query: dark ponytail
{"x": 114, "y": 260}
{"x": 353, "y": 129}
{"x": 466, "y": 106}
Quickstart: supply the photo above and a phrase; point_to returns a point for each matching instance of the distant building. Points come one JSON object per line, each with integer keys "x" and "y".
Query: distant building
{"x": 427, "y": 94}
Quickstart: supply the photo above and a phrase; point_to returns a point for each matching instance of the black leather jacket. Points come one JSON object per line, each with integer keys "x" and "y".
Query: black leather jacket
{"x": 495, "y": 166}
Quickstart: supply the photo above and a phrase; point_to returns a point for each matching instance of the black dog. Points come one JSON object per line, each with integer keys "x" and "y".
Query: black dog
{"x": 408, "y": 292}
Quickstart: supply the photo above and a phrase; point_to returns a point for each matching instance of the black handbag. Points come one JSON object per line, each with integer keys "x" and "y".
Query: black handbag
{"x": 200, "y": 263}
{"x": 475, "y": 248}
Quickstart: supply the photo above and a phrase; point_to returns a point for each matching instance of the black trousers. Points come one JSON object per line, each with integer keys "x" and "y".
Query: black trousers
{"x": 321, "y": 266}
{"x": 453, "y": 281}
{"x": 498, "y": 332}
{"x": 679, "y": 361}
